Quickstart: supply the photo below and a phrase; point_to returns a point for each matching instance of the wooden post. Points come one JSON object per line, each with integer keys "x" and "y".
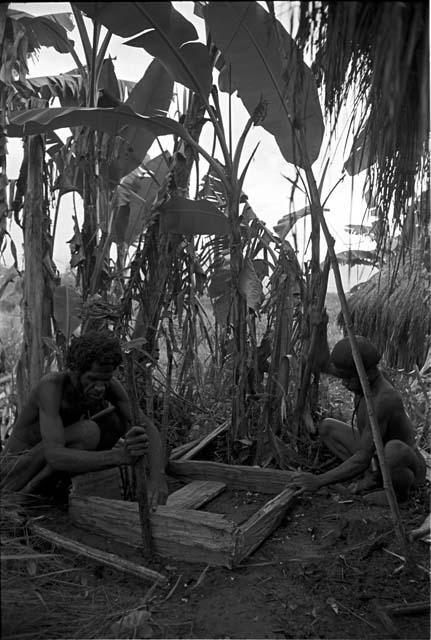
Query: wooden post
{"x": 139, "y": 467}
{"x": 37, "y": 297}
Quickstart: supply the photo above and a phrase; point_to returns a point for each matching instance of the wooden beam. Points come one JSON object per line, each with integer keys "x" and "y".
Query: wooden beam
{"x": 195, "y": 494}
{"x": 257, "y": 528}
{"x": 182, "y": 534}
{"x": 102, "y": 557}
{"x": 177, "y": 452}
{"x": 104, "y": 484}
{"x": 205, "y": 441}
{"x": 268, "y": 481}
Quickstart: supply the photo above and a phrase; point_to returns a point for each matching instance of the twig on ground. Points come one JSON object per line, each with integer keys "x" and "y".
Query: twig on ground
{"x": 382, "y": 614}
{"x": 356, "y": 615}
{"x": 201, "y": 578}
{"x": 172, "y": 591}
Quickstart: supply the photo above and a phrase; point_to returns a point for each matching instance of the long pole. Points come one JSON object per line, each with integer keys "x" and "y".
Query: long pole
{"x": 317, "y": 212}
{"x": 139, "y": 467}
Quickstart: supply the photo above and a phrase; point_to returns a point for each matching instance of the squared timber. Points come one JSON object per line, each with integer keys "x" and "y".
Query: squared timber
{"x": 178, "y": 530}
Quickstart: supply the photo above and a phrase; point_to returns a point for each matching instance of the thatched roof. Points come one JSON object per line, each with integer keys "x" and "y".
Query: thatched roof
{"x": 394, "y": 313}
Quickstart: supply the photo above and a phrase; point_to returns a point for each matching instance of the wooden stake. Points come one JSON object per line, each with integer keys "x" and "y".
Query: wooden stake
{"x": 139, "y": 467}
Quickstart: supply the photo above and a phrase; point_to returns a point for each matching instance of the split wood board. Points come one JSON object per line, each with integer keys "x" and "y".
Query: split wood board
{"x": 194, "y": 536}
{"x": 195, "y": 494}
{"x": 205, "y": 441}
{"x": 267, "y": 481}
{"x": 103, "y": 484}
{"x": 182, "y": 534}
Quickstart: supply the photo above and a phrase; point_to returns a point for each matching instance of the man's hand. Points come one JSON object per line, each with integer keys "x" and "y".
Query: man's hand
{"x": 157, "y": 489}
{"x": 136, "y": 442}
{"x": 306, "y": 481}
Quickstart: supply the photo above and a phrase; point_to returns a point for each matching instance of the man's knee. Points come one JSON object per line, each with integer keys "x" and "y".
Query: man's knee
{"x": 86, "y": 436}
{"x": 403, "y": 467}
{"x": 398, "y": 454}
{"x": 324, "y": 428}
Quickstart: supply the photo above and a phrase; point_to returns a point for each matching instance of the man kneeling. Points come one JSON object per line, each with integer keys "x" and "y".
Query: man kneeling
{"x": 354, "y": 445}
{"x": 55, "y": 431}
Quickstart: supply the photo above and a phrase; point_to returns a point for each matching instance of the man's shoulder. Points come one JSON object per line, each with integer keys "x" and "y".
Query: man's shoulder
{"x": 389, "y": 397}
{"x": 51, "y": 381}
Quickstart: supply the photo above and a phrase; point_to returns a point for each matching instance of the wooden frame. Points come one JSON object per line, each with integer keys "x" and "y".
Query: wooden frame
{"x": 184, "y": 533}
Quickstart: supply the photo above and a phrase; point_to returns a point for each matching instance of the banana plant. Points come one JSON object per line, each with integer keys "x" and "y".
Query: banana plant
{"x": 170, "y": 37}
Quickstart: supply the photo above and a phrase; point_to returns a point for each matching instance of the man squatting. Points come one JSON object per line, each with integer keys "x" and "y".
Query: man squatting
{"x": 354, "y": 445}
{"x": 54, "y": 434}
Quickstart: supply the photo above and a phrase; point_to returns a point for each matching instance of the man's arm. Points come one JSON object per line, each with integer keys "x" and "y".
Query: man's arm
{"x": 353, "y": 466}
{"x": 57, "y": 454}
{"x": 119, "y": 398}
{"x": 347, "y": 470}
{"x": 156, "y": 464}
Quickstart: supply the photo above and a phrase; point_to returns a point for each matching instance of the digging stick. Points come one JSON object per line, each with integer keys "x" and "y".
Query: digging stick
{"x": 317, "y": 211}
{"x": 139, "y": 469}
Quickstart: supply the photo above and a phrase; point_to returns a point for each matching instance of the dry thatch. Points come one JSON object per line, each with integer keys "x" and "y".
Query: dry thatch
{"x": 46, "y": 593}
{"x": 394, "y": 313}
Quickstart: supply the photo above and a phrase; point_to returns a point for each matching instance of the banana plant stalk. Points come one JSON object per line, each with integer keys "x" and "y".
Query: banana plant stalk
{"x": 305, "y": 381}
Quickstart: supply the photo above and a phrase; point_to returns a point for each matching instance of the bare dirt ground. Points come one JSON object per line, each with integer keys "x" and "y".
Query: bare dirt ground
{"x": 320, "y": 575}
{"x": 324, "y": 573}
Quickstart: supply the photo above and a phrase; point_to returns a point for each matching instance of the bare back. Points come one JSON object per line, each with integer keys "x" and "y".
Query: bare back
{"x": 391, "y": 417}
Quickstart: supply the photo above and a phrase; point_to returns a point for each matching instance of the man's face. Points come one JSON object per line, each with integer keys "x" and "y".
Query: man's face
{"x": 93, "y": 383}
{"x": 352, "y": 383}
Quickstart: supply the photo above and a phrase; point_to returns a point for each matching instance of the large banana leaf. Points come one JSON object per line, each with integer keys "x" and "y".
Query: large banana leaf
{"x": 127, "y": 19}
{"x": 193, "y": 217}
{"x": 360, "y": 157}
{"x": 67, "y": 310}
{"x": 288, "y": 221}
{"x": 45, "y": 31}
{"x": 168, "y": 37}
{"x": 151, "y": 96}
{"x": 267, "y": 66}
{"x": 220, "y": 291}
{"x": 353, "y": 257}
{"x": 188, "y": 63}
{"x": 68, "y": 88}
{"x": 220, "y": 288}
{"x": 250, "y": 285}
{"x": 135, "y": 197}
{"x": 110, "y": 121}
{"x": 108, "y": 80}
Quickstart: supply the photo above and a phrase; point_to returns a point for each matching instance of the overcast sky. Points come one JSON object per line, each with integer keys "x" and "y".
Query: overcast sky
{"x": 269, "y": 193}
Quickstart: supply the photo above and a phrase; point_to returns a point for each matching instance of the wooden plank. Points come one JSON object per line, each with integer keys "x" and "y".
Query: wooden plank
{"x": 267, "y": 481}
{"x": 195, "y": 494}
{"x": 205, "y": 441}
{"x": 177, "y": 452}
{"x": 263, "y": 523}
{"x": 104, "y": 484}
{"x": 109, "y": 559}
{"x": 182, "y": 534}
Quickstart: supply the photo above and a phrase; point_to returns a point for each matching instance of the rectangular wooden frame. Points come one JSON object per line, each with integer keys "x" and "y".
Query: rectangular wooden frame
{"x": 187, "y": 534}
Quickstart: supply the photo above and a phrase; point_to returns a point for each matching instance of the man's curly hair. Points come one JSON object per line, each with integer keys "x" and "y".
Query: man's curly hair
{"x": 102, "y": 347}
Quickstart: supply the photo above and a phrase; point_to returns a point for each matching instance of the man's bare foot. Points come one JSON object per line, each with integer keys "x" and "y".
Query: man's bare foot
{"x": 379, "y": 498}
